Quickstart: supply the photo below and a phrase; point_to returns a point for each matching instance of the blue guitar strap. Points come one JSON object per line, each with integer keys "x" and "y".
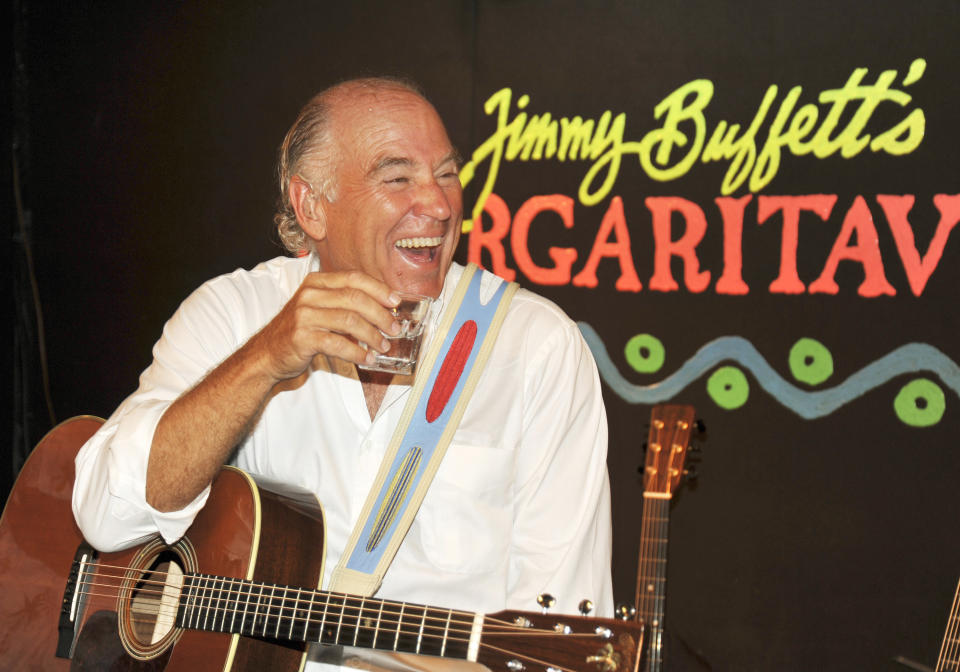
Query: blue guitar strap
{"x": 441, "y": 390}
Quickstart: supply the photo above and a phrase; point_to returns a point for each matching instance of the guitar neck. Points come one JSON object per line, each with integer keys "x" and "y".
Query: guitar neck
{"x": 652, "y": 576}
{"x": 670, "y": 427}
{"x": 949, "y": 658}
{"x": 221, "y": 604}
{"x": 652, "y": 583}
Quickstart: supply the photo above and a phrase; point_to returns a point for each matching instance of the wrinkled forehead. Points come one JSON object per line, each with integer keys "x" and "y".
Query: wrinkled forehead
{"x": 388, "y": 125}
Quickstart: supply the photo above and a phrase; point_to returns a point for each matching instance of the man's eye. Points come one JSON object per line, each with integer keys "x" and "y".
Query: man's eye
{"x": 401, "y": 179}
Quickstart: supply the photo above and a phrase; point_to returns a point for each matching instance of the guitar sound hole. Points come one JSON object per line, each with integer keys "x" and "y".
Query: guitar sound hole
{"x": 153, "y": 603}
{"x": 150, "y": 596}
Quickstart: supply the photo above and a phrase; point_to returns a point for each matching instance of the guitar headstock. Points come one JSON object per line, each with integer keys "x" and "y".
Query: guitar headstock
{"x": 518, "y": 640}
{"x": 667, "y": 444}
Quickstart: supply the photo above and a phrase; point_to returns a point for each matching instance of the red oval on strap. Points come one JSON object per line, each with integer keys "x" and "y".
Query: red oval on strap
{"x": 451, "y": 369}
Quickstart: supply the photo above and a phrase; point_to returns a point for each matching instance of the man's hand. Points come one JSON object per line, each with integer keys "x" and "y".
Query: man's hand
{"x": 328, "y": 315}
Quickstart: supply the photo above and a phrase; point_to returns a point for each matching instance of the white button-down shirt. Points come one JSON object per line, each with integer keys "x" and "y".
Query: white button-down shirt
{"x": 519, "y": 506}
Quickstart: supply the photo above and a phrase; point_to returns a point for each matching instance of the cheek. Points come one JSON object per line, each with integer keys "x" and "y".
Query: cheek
{"x": 455, "y": 197}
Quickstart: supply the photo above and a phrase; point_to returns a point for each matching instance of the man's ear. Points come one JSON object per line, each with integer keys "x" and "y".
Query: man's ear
{"x": 308, "y": 207}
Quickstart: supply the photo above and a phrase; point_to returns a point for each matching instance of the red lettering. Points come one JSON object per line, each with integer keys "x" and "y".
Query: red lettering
{"x": 563, "y": 257}
{"x": 731, "y": 282}
{"x": 896, "y": 209}
{"x": 492, "y": 239}
{"x": 866, "y": 251}
{"x": 662, "y": 208}
{"x": 614, "y": 222}
{"x": 788, "y": 282}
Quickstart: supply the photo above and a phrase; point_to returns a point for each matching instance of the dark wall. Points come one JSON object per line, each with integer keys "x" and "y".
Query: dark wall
{"x": 821, "y": 532}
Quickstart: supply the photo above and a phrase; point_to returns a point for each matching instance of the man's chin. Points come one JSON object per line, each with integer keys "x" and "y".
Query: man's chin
{"x": 420, "y": 276}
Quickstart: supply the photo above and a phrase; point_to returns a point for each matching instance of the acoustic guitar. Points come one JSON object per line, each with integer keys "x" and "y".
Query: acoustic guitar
{"x": 949, "y": 658}
{"x": 667, "y": 444}
{"x": 236, "y": 593}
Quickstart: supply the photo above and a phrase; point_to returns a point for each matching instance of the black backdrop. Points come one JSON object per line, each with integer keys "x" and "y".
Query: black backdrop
{"x": 147, "y": 137}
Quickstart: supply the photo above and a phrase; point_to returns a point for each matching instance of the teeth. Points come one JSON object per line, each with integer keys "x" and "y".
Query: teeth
{"x": 420, "y": 242}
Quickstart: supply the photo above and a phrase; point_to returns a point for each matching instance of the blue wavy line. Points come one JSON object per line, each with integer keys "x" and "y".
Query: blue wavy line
{"x": 910, "y": 358}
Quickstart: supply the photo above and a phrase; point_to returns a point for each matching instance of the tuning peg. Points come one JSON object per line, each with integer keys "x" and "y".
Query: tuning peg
{"x": 691, "y": 473}
{"x": 700, "y": 426}
{"x": 546, "y": 601}
{"x": 585, "y": 607}
{"x": 625, "y": 611}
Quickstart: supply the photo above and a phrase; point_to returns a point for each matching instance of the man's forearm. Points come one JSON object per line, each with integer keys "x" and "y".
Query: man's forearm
{"x": 200, "y": 429}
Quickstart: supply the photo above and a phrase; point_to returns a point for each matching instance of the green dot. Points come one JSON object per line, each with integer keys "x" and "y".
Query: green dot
{"x": 728, "y": 387}
{"x": 645, "y": 353}
{"x": 810, "y": 361}
{"x": 920, "y": 403}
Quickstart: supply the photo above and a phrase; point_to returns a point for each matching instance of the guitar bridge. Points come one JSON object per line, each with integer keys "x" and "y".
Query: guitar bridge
{"x": 74, "y": 598}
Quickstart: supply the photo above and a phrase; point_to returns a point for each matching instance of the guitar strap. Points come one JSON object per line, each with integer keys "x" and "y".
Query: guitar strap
{"x": 441, "y": 391}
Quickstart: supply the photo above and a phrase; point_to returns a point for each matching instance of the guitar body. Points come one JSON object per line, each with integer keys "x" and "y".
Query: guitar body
{"x": 231, "y": 536}
{"x": 240, "y": 592}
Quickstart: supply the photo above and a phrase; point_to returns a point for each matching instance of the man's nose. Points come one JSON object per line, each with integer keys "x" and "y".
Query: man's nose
{"x": 433, "y": 201}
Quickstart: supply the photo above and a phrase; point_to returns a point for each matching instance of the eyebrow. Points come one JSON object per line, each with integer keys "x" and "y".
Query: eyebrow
{"x": 391, "y": 161}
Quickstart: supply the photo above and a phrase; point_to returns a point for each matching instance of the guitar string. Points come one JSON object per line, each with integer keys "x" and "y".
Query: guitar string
{"x": 499, "y": 627}
{"x": 643, "y": 602}
{"x": 647, "y": 539}
{"x": 651, "y": 607}
{"x": 949, "y": 658}
{"x": 511, "y": 628}
{"x": 546, "y": 664}
{"x": 948, "y": 650}
{"x": 662, "y": 521}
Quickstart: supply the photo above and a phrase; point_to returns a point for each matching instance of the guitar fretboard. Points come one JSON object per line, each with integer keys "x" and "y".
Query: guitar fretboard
{"x": 652, "y": 583}
{"x": 949, "y": 659}
{"x": 220, "y": 604}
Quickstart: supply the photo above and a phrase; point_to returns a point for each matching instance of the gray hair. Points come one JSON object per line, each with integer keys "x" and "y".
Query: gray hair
{"x": 309, "y": 141}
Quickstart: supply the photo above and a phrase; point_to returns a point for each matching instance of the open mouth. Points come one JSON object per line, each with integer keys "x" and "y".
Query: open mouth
{"x": 420, "y": 248}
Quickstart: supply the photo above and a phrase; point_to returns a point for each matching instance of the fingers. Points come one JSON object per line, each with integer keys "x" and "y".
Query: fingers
{"x": 353, "y": 293}
{"x": 330, "y": 314}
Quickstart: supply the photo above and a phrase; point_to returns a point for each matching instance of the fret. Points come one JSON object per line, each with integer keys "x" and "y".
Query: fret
{"x": 247, "y": 597}
{"x": 655, "y": 652}
{"x": 356, "y": 628}
{"x": 221, "y": 607}
{"x": 186, "y": 601}
{"x": 343, "y": 608}
{"x": 307, "y": 622}
{"x": 195, "y": 605}
{"x": 204, "y": 603}
{"x": 323, "y": 622}
{"x": 271, "y": 607}
{"x": 210, "y": 618}
{"x": 459, "y": 626}
{"x": 396, "y": 637}
{"x": 274, "y": 611}
{"x": 430, "y": 642}
{"x": 408, "y": 628}
{"x": 423, "y": 622}
{"x": 446, "y": 631}
{"x": 236, "y": 603}
{"x": 293, "y": 617}
{"x": 365, "y": 635}
{"x": 256, "y": 610}
{"x": 376, "y": 629}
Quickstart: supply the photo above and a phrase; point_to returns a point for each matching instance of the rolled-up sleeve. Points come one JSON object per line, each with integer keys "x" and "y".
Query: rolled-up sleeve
{"x": 109, "y": 495}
